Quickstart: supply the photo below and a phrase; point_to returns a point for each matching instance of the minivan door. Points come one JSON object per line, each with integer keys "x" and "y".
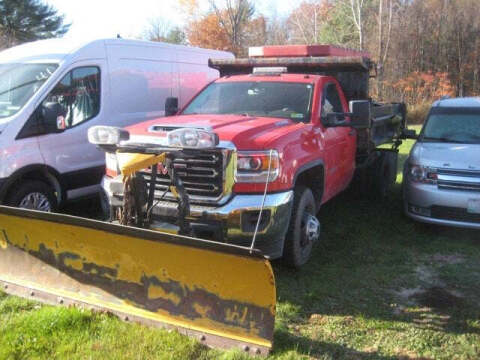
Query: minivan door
{"x": 81, "y": 95}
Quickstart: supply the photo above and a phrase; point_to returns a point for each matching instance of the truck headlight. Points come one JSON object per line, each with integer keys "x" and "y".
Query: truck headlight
{"x": 107, "y": 135}
{"x": 422, "y": 174}
{"x": 192, "y": 139}
{"x": 252, "y": 166}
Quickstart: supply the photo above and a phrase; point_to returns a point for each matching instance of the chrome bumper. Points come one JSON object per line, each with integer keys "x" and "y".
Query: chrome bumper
{"x": 236, "y": 219}
{"x": 419, "y": 199}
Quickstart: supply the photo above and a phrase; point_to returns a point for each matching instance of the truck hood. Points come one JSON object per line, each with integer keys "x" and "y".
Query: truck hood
{"x": 243, "y": 130}
{"x": 446, "y": 155}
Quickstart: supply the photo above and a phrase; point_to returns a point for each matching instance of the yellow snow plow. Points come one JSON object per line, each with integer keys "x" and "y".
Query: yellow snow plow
{"x": 222, "y": 294}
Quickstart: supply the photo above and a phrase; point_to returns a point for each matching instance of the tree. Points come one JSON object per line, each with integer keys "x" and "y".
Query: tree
{"x": 357, "y": 7}
{"x": 308, "y": 22}
{"x": 29, "y": 20}
{"x": 207, "y": 32}
{"x": 233, "y": 20}
{"x": 161, "y": 30}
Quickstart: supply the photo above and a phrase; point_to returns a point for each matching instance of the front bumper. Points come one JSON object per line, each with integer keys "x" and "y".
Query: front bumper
{"x": 233, "y": 222}
{"x": 427, "y": 203}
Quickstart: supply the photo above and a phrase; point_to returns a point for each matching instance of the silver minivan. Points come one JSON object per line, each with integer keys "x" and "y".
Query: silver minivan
{"x": 441, "y": 177}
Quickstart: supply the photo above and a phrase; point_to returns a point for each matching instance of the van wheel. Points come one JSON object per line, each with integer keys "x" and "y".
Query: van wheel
{"x": 34, "y": 195}
{"x": 304, "y": 229}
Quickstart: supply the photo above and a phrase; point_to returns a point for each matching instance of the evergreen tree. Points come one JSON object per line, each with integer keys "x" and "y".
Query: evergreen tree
{"x": 28, "y": 20}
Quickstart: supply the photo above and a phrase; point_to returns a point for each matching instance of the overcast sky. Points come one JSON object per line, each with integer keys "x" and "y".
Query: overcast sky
{"x": 106, "y": 18}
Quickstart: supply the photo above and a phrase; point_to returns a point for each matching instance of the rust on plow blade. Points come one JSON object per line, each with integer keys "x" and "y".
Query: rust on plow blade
{"x": 222, "y": 294}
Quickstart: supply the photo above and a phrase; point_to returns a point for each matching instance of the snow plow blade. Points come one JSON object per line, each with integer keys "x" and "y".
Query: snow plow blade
{"x": 223, "y": 295}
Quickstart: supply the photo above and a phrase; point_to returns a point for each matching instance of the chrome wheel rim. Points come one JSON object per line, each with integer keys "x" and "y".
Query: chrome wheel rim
{"x": 35, "y": 201}
{"x": 310, "y": 230}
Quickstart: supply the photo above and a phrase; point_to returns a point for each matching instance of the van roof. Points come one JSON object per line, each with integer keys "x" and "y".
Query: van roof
{"x": 55, "y": 50}
{"x": 458, "y": 102}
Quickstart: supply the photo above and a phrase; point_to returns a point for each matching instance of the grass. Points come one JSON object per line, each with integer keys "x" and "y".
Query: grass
{"x": 378, "y": 286}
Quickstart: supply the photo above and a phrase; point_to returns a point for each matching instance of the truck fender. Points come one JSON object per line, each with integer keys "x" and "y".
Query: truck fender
{"x": 317, "y": 185}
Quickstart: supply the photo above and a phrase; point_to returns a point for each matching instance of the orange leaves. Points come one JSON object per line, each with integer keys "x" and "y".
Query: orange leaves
{"x": 207, "y": 32}
{"x": 420, "y": 87}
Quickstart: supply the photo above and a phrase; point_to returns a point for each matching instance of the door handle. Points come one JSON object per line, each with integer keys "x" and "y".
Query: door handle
{"x": 352, "y": 132}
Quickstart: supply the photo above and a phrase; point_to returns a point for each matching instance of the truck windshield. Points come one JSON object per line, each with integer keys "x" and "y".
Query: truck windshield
{"x": 455, "y": 125}
{"x": 18, "y": 83}
{"x": 268, "y": 99}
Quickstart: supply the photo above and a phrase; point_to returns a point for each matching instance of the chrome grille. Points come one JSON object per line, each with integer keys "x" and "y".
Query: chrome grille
{"x": 201, "y": 173}
{"x": 467, "y": 180}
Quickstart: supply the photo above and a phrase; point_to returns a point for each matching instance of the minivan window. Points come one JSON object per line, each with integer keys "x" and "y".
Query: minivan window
{"x": 78, "y": 93}
{"x": 456, "y": 125}
{"x": 18, "y": 83}
{"x": 266, "y": 99}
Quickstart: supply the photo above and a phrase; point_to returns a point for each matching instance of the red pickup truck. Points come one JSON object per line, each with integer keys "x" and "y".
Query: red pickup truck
{"x": 259, "y": 150}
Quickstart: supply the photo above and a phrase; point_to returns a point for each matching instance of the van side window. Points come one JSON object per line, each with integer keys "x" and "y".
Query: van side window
{"x": 78, "y": 94}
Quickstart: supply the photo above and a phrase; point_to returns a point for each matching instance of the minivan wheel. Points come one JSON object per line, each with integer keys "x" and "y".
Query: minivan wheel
{"x": 304, "y": 229}
{"x": 33, "y": 195}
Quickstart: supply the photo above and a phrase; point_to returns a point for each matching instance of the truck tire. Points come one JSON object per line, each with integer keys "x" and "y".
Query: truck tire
{"x": 34, "y": 195}
{"x": 304, "y": 229}
{"x": 385, "y": 173}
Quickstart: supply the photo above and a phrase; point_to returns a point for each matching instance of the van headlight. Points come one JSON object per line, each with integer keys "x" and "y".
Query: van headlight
{"x": 253, "y": 166}
{"x": 107, "y": 135}
{"x": 422, "y": 174}
{"x": 192, "y": 139}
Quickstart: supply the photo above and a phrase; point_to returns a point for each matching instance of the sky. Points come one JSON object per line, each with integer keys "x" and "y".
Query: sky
{"x": 93, "y": 19}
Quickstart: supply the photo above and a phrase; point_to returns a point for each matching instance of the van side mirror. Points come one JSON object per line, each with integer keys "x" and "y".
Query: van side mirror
{"x": 171, "y": 106}
{"x": 53, "y": 116}
{"x": 361, "y": 114}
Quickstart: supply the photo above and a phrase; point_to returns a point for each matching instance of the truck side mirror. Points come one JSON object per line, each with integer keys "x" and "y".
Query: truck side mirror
{"x": 361, "y": 114}
{"x": 53, "y": 116}
{"x": 334, "y": 119}
{"x": 171, "y": 106}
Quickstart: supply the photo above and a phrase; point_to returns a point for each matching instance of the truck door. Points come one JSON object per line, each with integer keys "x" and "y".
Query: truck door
{"x": 66, "y": 147}
{"x": 337, "y": 141}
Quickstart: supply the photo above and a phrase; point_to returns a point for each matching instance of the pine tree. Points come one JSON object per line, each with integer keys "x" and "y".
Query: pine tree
{"x": 28, "y": 20}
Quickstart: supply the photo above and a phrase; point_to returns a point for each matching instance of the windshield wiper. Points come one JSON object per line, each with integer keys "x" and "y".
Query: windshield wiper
{"x": 19, "y": 86}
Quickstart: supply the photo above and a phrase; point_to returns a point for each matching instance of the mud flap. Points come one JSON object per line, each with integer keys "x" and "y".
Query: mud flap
{"x": 222, "y": 294}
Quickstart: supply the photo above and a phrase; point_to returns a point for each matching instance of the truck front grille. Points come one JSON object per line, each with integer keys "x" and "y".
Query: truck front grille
{"x": 202, "y": 174}
{"x": 450, "y": 179}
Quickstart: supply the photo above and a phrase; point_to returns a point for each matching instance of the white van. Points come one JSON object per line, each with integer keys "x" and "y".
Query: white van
{"x": 52, "y": 91}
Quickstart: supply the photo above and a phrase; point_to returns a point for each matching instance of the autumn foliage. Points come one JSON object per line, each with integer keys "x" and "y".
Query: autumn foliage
{"x": 207, "y": 33}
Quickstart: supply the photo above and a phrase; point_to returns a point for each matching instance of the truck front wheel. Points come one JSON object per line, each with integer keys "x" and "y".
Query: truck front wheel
{"x": 304, "y": 229}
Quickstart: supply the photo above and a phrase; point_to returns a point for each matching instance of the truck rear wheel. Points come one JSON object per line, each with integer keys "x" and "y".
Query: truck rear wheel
{"x": 34, "y": 195}
{"x": 385, "y": 173}
{"x": 304, "y": 229}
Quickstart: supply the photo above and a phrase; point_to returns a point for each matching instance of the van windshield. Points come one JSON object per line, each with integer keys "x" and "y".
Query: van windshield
{"x": 268, "y": 99}
{"x": 18, "y": 83}
{"x": 455, "y": 125}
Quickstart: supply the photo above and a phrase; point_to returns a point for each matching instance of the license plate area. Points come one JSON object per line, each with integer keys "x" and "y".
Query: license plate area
{"x": 473, "y": 206}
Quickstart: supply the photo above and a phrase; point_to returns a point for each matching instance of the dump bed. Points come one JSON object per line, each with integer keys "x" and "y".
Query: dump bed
{"x": 350, "y": 67}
